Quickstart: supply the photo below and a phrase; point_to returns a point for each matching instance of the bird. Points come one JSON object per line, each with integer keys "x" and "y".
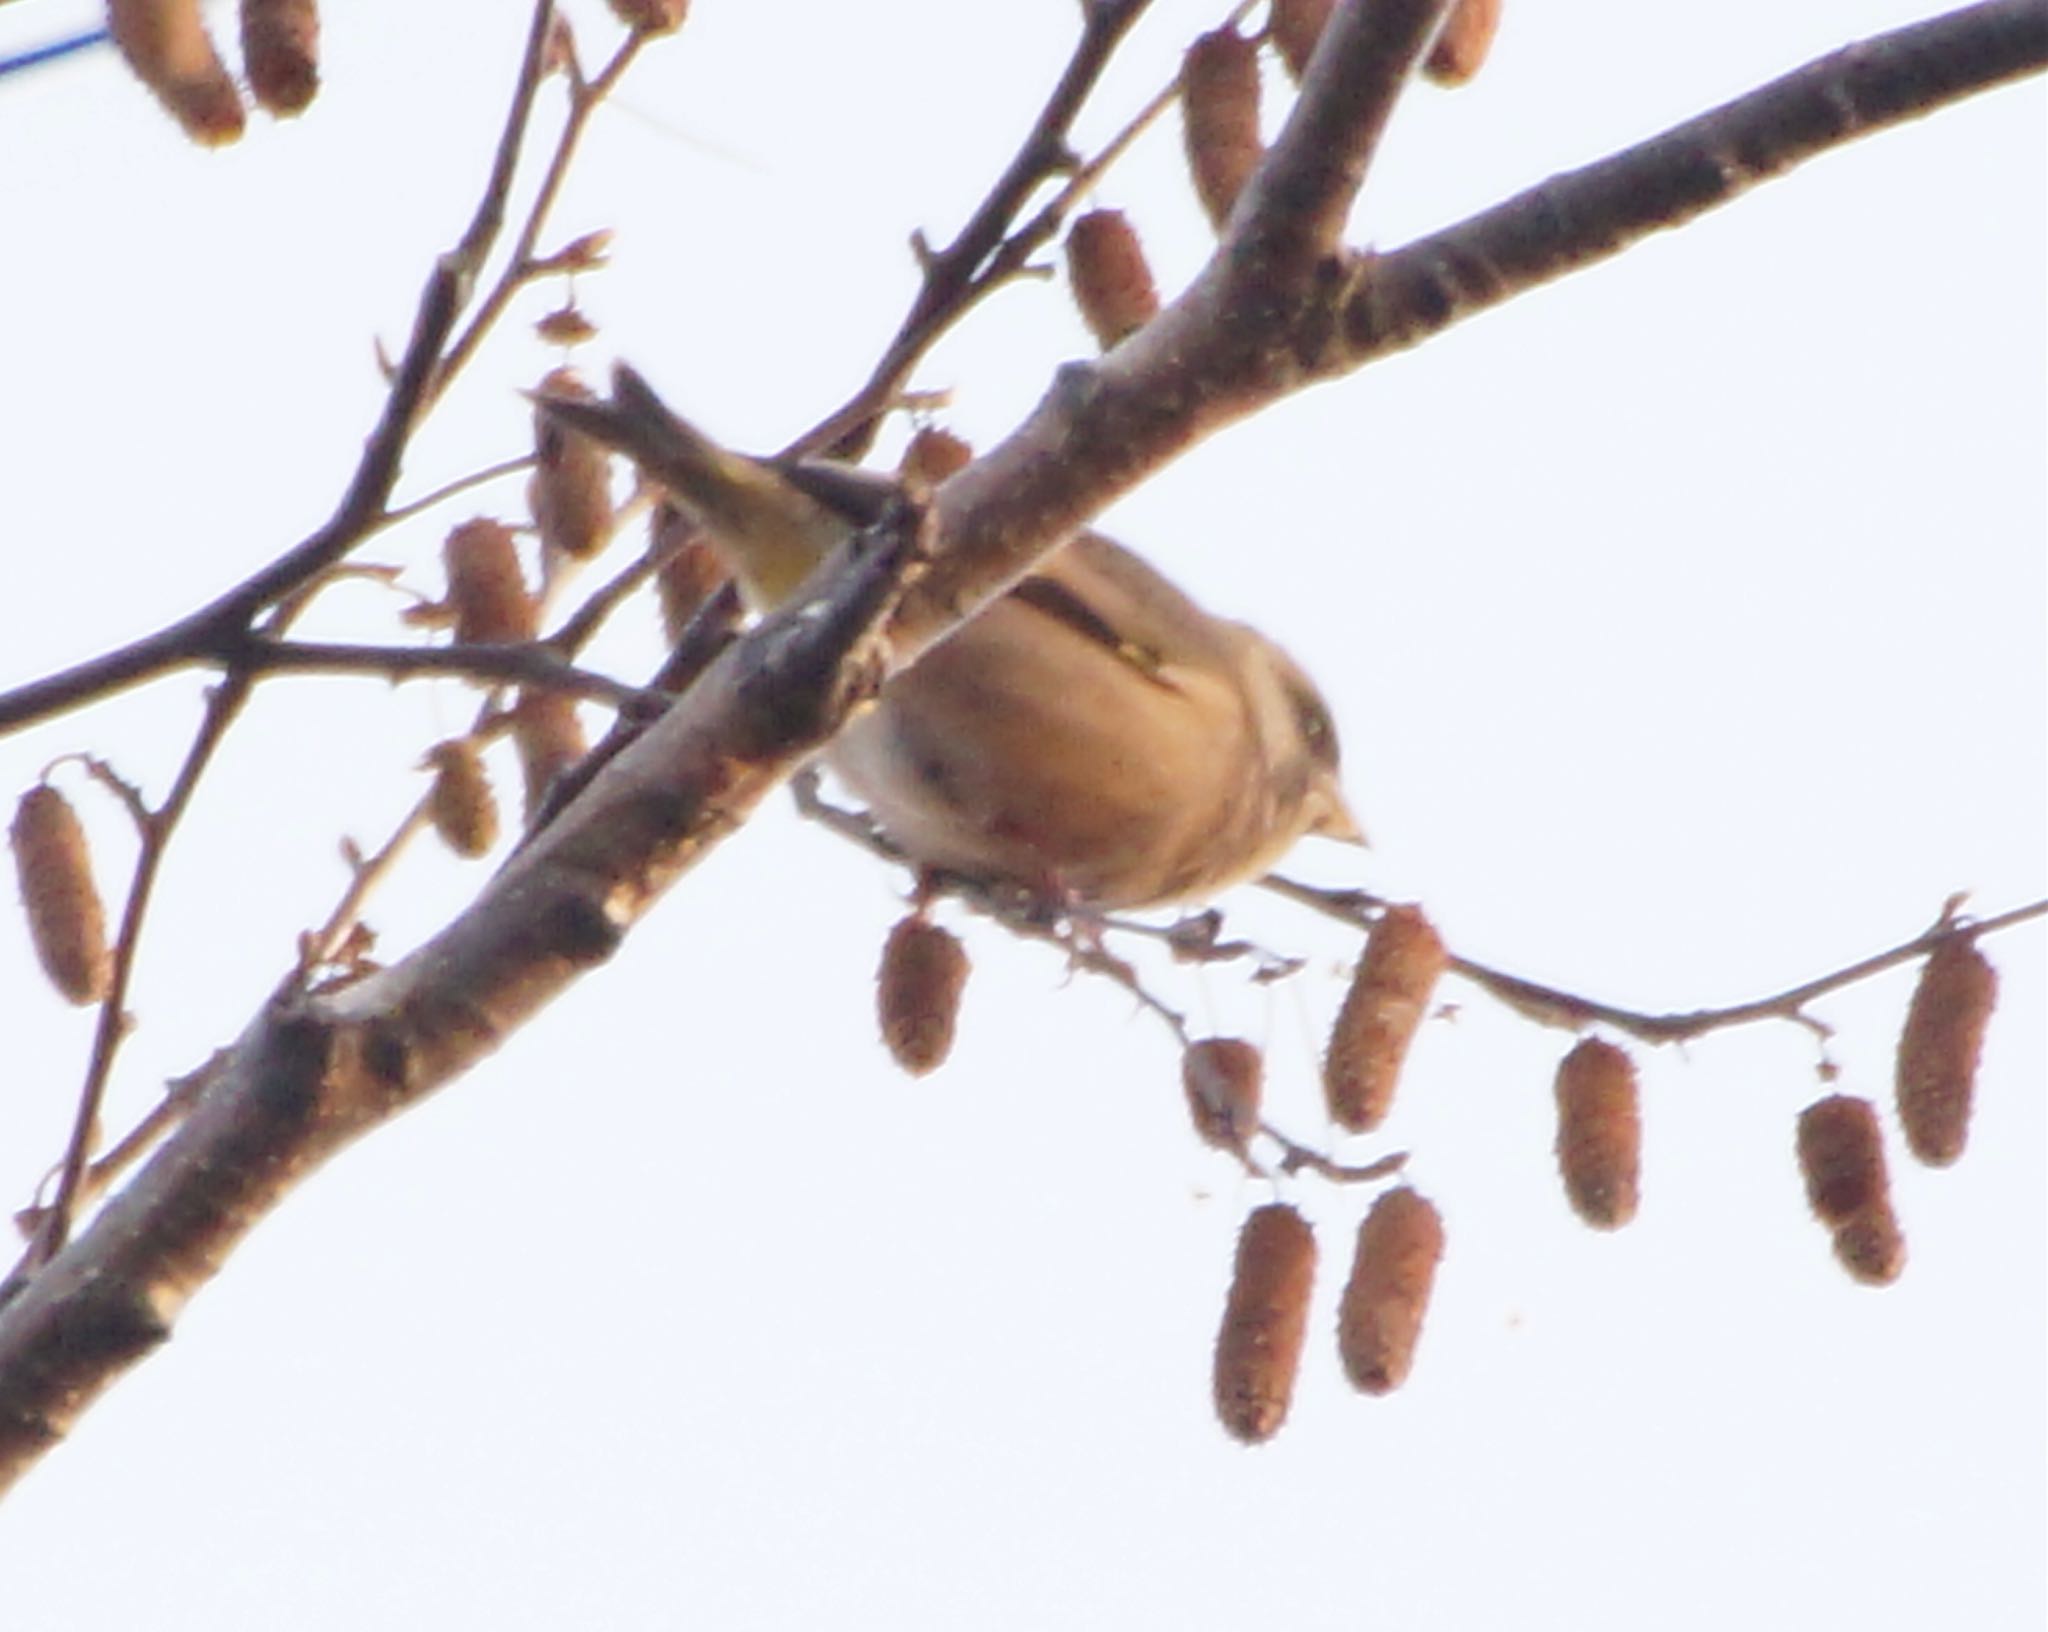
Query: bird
{"x": 1092, "y": 736}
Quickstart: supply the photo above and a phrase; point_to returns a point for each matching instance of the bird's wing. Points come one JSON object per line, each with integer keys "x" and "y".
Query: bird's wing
{"x": 858, "y": 495}
{"x": 1102, "y": 591}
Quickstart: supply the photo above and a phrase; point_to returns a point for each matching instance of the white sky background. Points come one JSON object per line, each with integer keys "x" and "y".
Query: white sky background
{"x": 1684, "y": 623}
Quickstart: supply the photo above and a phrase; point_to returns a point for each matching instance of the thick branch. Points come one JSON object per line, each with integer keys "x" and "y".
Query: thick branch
{"x": 1589, "y": 215}
{"x": 313, "y": 1074}
{"x": 1256, "y": 325}
{"x": 1293, "y": 212}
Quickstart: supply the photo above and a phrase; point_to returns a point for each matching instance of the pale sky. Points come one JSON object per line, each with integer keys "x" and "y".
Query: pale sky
{"x": 1684, "y": 626}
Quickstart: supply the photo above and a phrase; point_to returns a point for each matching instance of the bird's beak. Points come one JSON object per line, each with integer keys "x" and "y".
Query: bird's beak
{"x": 1330, "y": 818}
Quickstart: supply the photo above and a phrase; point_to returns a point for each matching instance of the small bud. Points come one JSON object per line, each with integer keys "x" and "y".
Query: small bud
{"x": 461, "y": 804}
{"x": 932, "y": 455}
{"x": 1258, "y": 1347}
{"x": 65, "y": 919}
{"x": 281, "y": 53}
{"x": 651, "y": 16}
{"x": 1223, "y": 1080}
{"x": 558, "y": 50}
{"x": 1386, "y": 1004}
{"x": 566, "y": 326}
{"x": 1599, "y": 1133}
{"x": 570, "y": 491}
{"x": 1296, "y": 25}
{"x": 917, "y": 993}
{"x": 549, "y": 736}
{"x": 1463, "y": 42}
{"x": 167, "y": 45}
{"x": 1399, "y": 1246}
{"x": 585, "y": 253}
{"x": 1112, "y": 284}
{"x": 486, "y": 587}
{"x": 1938, "y": 1052}
{"x": 1841, "y": 1157}
{"x": 1219, "y": 94}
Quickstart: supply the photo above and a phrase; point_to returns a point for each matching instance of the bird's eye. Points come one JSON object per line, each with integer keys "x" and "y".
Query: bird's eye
{"x": 1312, "y": 719}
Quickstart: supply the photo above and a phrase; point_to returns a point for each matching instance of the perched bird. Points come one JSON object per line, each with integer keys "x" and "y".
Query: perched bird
{"x": 1092, "y": 734}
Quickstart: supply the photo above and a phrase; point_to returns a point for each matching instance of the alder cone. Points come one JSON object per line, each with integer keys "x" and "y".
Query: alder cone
{"x": 1871, "y": 1247}
{"x": 549, "y": 736}
{"x": 932, "y": 454}
{"x": 1462, "y": 44}
{"x": 687, "y": 571}
{"x": 1296, "y": 25}
{"x": 570, "y": 491}
{"x": 281, "y": 53}
{"x": 1599, "y": 1133}
{"x": 461, "y": 805}
{"x": 1841, "y": 1157}
{"x": 917, "y": 993}
{"x": 486, "y": 586}
{"x": 1265, "y": 1318}
{"x": 651, "y": 16}
{"x": 1111, "y": 282}
{"x": 1381, "y": 1012}
{"x": 1400, "y": 1243}
{"x": 1940, "y": 1047}
{"x": 66, "y": 922}
{"x": 1223, "y": 1078}
{"x": 166, "y": 43}
{"x": 1219, "y": 94}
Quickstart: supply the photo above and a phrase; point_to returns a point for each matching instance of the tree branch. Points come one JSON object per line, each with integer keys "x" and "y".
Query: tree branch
{"x": 182, "y": 643}
{"x": 531, "y": 664}
{"x": 315, "y": 1072}
{"x": 953, "y": 275}
{"x": 1589, "y": 215}
{"x": 1271, "y": 313}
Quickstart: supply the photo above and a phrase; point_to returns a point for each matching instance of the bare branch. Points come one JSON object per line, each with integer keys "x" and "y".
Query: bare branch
{"x": 1589, "y": 215}
{"x": 954, "y": 276}
{"x": 111, "y": 1025}
{"x": 180, "y": 644}
{"x": 1274, "y": 311}
{"x": 534, "y": 664}
{"x": 1259, "y": 323}
{"x": 1293, "y": 213}
{"x": 314, "y": 1072}
{"x": 1553, "y": 1006}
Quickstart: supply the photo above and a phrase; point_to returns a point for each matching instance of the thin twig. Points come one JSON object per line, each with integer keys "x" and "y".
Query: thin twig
{"x": 132, "y": 1146}
{"x": 1022, "y": 914}
{"x": 1298, "y": 1156}
{"x": 1552, "y": 1006}
{"x": 577, "y": 630}
{"x": 222, "y": 705}
{"x": 954, "y": 277}
{"x": 365, "y": 873}
{"x": 528, "y": 663}
{"x": 229, "y": 616}
{"x": 415, "y": 379}
{"x": 449, "y": 490}
{"x": 522, "y": 267}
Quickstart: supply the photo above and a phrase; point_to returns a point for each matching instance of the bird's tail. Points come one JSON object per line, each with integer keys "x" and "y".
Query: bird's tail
{"x": 769, "y": 531}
